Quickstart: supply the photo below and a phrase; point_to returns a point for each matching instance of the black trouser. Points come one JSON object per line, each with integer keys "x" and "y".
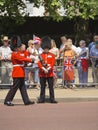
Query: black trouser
{"x": 17, "y": 83}
{"x": 43, "y": 85}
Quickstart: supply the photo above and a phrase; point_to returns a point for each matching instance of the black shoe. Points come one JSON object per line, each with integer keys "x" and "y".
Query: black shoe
{"x": 30, "y": 103}
{"x": 8, "y": 103}
{"x": 53, "y": 101}
{"x": 39, "y": 101}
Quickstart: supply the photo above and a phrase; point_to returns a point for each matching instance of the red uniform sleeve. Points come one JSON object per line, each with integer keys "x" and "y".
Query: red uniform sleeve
{"x": 20, "y": 58}
{"x": 26, "y": 54}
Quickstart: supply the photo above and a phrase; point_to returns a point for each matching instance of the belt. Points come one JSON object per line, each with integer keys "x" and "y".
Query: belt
{"x": 83, "y": 58}
{"x": 18, "y": 65}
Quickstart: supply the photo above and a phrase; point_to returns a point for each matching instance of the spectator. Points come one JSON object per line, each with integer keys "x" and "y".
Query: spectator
{"x": 95, "y": 38}
{"x": 71, "y": 44}
{"x": 29, "y": 70}
{"x": 74, "y": 48}
{"x": 30, "y": 46}
{"x": 90, "y": 46}
{"x": 82, "y": 63}
{"x": 6, "y": 65}
{"x": 55, "y": 51}
{"x": 69, "y": 65}
{"x": 62, "y": 46}
{"x": 94, "y": 56}
{"x": 61, "y": 51}
{"x": 37, "y": 50}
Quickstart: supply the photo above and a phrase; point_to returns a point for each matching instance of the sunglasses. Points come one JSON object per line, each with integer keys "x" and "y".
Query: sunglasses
{"x": 5, "y": 40}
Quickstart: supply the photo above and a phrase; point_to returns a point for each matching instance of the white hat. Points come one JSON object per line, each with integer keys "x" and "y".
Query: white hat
{"x": 5, "y": 38}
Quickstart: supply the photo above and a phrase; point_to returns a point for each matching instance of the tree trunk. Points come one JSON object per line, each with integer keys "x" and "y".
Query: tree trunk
{"x": 81, "y": 30}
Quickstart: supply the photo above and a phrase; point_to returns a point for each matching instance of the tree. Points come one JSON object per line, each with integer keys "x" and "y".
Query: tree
{"x": 72, "y": 8}
{"x": 1, "y": 2}
{"x": 81, "y": 11}
{"x": 78, "y": 10}
{"x": 11, "y": 15}
{"x": 13, "y": 9}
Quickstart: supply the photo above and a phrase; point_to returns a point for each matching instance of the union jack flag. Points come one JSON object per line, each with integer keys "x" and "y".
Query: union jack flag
{"x": 68, "y": 65}
{"x": 36, "y": 39}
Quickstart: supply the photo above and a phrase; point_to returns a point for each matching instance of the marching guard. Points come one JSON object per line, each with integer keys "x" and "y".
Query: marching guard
{"x": 18, "y": 74}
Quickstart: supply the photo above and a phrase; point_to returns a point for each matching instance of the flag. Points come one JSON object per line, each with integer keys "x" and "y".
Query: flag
{"x": 84, "y": 64}
{"x": 68, "y": 70}
{"x": 36, "y": 39}
{"x": 68, "y": 65}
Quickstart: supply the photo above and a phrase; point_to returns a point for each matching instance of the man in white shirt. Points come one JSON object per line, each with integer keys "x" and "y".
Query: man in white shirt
{"x": 94, "y": 56}
{"x": 61, "y": 51}
{"x": 62, "y": 46}
{"x": 5, "y": 58}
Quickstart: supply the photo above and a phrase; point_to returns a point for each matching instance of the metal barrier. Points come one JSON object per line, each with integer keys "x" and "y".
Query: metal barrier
{"x": 6, "y": 79}
{"x": 76, "y": 82}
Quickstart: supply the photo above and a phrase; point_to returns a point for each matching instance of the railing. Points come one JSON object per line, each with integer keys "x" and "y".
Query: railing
{"x": 6, "y": 79}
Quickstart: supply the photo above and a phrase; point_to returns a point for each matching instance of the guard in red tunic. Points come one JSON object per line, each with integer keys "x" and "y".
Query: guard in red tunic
{"x": 18, "y": 60}
{"x": 46, "y": 64}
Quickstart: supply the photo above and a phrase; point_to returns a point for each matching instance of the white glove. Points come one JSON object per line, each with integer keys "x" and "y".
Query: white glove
{"x": 48, "y": 68}
{"x": 29, "y": 64}
{"x": 45, "y": 70}
{"x": 32, "y": 57}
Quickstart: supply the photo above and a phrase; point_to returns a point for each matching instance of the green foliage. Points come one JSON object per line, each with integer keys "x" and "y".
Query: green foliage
{"x": 1, "y": 2}
{"x": 51, "y": 8}
{"x": 85, "y": 9}
{"x": 13, "y": 9}
{"x": 79, "y": 10}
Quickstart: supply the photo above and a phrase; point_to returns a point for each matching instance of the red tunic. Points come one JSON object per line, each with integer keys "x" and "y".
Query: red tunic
{"x": 18, "y": 60}
{"x": 49, "y": 59}
{"x": 26, "y": 54}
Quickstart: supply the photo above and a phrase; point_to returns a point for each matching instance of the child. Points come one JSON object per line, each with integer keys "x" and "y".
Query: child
{"x": 69, "y": 62}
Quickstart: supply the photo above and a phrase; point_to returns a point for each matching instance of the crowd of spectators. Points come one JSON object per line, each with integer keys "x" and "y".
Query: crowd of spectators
{"x": 68, "y": 54}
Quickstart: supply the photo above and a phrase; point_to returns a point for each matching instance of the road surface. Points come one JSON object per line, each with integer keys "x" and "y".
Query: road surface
{"x": 61, "y": 116}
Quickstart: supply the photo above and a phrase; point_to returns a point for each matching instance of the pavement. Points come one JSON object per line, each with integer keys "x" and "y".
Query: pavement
{"x": 77, "y": 110}
{"x": 61, "y": 94}
{"x": 61, "y": 116}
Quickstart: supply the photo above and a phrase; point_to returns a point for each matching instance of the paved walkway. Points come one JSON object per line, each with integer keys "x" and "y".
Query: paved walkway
{"x": 61, "y": 94}
{"x": 61, "y": 116}
{"x": 77, "y": 110}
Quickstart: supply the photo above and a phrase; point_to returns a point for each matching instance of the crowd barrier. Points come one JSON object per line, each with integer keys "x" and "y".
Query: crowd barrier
{"x": 6, "y": 79}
